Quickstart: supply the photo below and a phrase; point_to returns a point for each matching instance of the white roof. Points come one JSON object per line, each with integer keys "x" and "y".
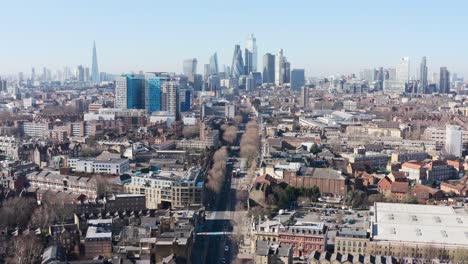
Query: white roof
{"x": 420, "y": 224}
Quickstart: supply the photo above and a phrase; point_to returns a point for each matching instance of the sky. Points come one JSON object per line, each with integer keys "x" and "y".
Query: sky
{"x": 323, "y": 37}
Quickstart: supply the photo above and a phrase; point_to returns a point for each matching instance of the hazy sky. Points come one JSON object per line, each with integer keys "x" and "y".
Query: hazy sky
{"x": 324, "y": 37}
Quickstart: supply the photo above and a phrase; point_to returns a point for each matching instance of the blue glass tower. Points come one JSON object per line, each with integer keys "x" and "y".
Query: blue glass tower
{"x": 135, "y": 91}
{"x": 153, "y": 91}
{"x": 237, "y": 68}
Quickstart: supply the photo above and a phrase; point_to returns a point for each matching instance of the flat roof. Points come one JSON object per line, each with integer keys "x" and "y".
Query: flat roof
{"x": 430, "y": 224}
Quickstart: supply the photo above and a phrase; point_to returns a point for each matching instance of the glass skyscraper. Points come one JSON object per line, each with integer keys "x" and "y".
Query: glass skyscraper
{"x": 268, "y": 68}
{"x": 130, "y": 91}
{"x": 153, "y": 84}
{"x": 190, "y": 67}
{"x": 251, "y": 46}
{"x": 237, "y": 68}
{"x": 213, "y": 68}
{"x": 297, "y": 79}
{"x": 423, "y": 76}
{"x": 95, "y": 70}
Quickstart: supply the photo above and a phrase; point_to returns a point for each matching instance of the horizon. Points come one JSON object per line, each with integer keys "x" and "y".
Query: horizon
{"x": 322, "y": 39}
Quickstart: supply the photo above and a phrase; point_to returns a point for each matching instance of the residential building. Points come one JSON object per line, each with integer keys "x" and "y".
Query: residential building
{"x": 48, "y": 180}
{"x": 271, "y": 253}
{"x": 305, "y": 237}
{"x": 454, "y": 140}
{"x": 98, "y": 240}
{"x": 130, "y": 91}
{"x": 351, "y": 240}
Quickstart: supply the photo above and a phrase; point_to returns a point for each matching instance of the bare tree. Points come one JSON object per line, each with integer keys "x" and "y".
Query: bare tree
{"x": 191, "y": 131}
{"x": 16, "y": 212}
{"x": 230, "y": 134}
{"x": 217, "y": 174}
{"x": 27, "y": 249}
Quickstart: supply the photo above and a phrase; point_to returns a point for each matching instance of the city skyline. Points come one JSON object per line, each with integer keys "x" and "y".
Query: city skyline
{"x": 325, "y": 40}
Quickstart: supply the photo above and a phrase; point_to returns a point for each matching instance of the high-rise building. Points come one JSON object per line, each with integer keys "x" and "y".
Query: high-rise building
{"x": 304, "y": 97}
{"x": 86, "y": 77}
{"x": 423, "y": 76}
{"x": 286, "y": 71}
{"x": 190, "y": 67}
{"x": 250, "y": 83}
{"x": 251, "y": 46}
{"x": 20, "y": 77}
{"x": 279, "y": 70}
{"x": 33, "y": 75}
{"x": 170, "y": 97}
{"x": 368, "y": 75}
{"x": 444, "y": 80}
{"x": 297, "y": 79}
{"x": 268, "y": 68}
{"x": 206, "y": 71}
{"x": 214, "y": 64}
{"x": 3, "y": 85}
{"x": 80, "y": 73}
{"x": 95, "y": 77}
{"x": 185, "y": 100}
{"x": 453, "y": 140}
{"x": 130, "y": 91}
{"x": 248, "y": 62}
{"x": 237, "y": 67}
{"x": 153, "y": 84}
{"x": 403, "y": 70}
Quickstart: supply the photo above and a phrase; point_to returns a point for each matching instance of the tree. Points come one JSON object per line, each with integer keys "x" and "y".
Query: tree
{"x": 16, "y": 212}
{"x": 356, "y": 199}
{"x": 375, "y": 198}
{"x": 230, "y": 134}
{"x": 409, "y": 199}
{"x": 315, "y": 149}
{"x": 27, "y": 249}
{"x": 191, "y": 131}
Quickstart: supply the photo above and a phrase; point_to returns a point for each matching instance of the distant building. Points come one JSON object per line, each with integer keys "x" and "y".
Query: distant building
{"x": 304, "y": 100}
{"x": 454, "y": 140}
{"x": 268, "y": 68}
{"x": 297, "y": 79}
{"x": 130, "y": 91}
{"x": 444, "y": 80}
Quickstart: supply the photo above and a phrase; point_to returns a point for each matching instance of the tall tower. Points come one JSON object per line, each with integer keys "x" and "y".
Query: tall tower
{"x": 95, "y": 69}
{"x": 214, "y": 64}
{"x": 444, "y": 80}
{"x": 251, "y": 46}
{"x": 248, "y": 56}
{"x": 403, "y": 70}
{"x": 279, "y": 71}
{"x": 237, "y": 68}
{"x": 423, "y": 76}
{"x": 269, "y": 68}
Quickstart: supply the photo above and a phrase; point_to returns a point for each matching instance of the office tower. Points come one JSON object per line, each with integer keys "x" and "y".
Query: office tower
{"x": 268, "y": 68}
{"x": 304, "y": 97}
{"x": 279, "y": 70}
{"x": 248, "y": 62}
{"x": 297, "y": 79}
{"x": 153, "y": 84}
{"x": 423, "y": 76}
{"x": 250, "y": 83}
{"x": 214, "y": 83}
{"x": 444, "y": 83}
{"x": 453, "y": 140}
{"x": 286, "y": 71}
{"x": 80, "y": 73}
{"x": 130, "y": 91}
{"x": 33, "y": 75}
{"x": 86, "y": 78}
{"x": 190, "y": 67}
{"x": 185, "y": 100}
{"x": 403, "y": 70}
{"x": 251, "y": 46}
{"x": 170, "y": 97}
{"x": 3, "y": 85}
{"x": 95, "y": 77}
{"x": 213, "y": 69}
{"x": 206, "y": 72}
{"x": 367, "y": 74}
{"x": 44, "y": 74}
{"x": 257, "y": 78}
{"x": 20, "y": 77}
{"x": 237, "y": 67}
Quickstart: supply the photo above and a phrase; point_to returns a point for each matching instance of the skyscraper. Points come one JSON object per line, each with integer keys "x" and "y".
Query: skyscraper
{"x": 250, "y": 83}
{"x": 423, "y": 76}
{"x": 170, "y": 95}
{"x": 190, "y": 67}
{"x": 453, "y": 140}
{"x": 268, "y": 68}
{"x": 153, "y": 83}
{"x": 33, "y": 75}
{"x": 248, "y": 62}
{"x": 80, "y": 75}
{"x": 130, "y": 91}
{"x": 214, "y": 64}
{"x": 279, "y": 70}
{"x": 237, "y": 67}
{"x": 286, "y": 71}
{"x": 304, "y": 97}
{"x": 403, "y": 70}
{"x": 251, "y": 46}
{"x": 444, "y": 80}
{"x": 297, "y": 79}
{"x": 95, "y": 78}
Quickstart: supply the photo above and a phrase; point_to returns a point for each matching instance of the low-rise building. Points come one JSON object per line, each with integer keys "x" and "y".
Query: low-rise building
{"x": 90, "y": 165}
{"x": 271, "y": 252}
{"x": 351, "y": 240}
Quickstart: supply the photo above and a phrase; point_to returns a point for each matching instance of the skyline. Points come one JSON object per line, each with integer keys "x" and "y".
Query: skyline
{"x": 322, "y": 39}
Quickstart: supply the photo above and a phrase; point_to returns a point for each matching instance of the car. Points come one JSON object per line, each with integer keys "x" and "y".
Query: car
{"x": 226, "y": 248}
